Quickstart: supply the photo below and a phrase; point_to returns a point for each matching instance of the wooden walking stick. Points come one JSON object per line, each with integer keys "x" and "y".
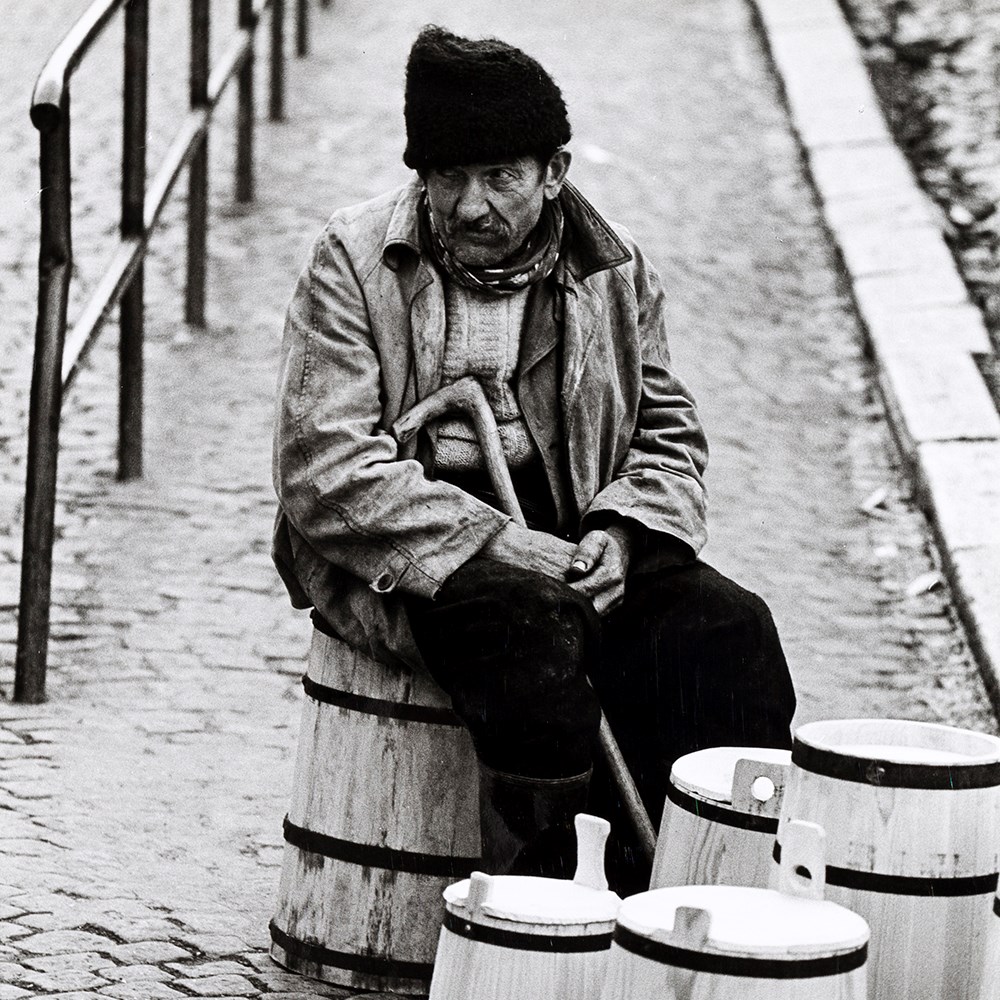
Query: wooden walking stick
{"x": 467, "y": 396}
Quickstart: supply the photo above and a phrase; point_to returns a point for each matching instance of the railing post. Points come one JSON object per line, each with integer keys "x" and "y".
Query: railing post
{"x": 197, "y": 204}
{"x": 54, "y": 267}
{"x": 133, "y": 225}
{"x": 277, "y": 60}
{"x": 245, "y": 111}
{"x": 302, "y": 28}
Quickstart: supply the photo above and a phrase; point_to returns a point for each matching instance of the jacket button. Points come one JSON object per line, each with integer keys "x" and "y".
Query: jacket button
{"x": 384, "y": 582}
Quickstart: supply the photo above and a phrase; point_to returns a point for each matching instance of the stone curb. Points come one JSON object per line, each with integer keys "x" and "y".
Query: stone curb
{"x": 922, "y": 330}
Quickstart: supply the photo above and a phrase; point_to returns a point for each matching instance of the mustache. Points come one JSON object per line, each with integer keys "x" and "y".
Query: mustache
{"x": 485, "y": 226}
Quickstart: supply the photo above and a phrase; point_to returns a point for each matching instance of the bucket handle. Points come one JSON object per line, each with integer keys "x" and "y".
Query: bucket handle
{"x": 758, "y": 786}
{"x": 803, "y": 860}
{"x": 480, "y": 885}
{"x": 591, "y": 838}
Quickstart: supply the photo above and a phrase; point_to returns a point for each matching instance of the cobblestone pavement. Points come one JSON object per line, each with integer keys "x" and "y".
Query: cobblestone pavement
{"x": 140, "y": 810}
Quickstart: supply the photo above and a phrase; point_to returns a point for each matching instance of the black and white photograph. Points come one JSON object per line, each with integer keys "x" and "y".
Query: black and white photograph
{"x": 500, "y": 501}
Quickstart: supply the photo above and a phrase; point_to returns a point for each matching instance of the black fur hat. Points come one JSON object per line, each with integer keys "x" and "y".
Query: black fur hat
{"x": 478, "y": 101}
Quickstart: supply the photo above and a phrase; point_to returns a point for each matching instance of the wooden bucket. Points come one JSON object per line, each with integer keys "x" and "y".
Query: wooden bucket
{"x": 720, "y": 817}
{"x": 990, "y": 978}
{"x": 384, "y": 815}
{"x": 519, "y": 937}
{"x": 912, "y": 814}
{"x": 721, "y": 942}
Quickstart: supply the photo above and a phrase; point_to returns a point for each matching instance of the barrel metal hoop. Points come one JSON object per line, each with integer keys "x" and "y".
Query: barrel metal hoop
{"x": 371, "y": 965}
{"x": 906, "y": 885}
{"x": 893, "y": 774}
{"x": 740, "y": 965}
{"x": 525, "y": 942}
{"x": 377, "y": 856}
{"x": 719, "y": 814}
{"x": 382, "y": 707}
{"x": 996, "y": 905}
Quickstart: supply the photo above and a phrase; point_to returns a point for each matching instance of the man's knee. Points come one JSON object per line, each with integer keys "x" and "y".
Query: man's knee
{"x": 513, "y": 649}
{"x": 699, "y": 598}
{"x": 487, "y": 583}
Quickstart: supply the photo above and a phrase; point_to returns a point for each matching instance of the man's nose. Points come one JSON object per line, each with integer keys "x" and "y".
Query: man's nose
{"x": 472, "y": 204}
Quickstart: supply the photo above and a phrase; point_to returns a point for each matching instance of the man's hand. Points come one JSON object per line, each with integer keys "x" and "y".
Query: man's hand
{"x": 534, "y": 550}
{"x": 599, "y": 565}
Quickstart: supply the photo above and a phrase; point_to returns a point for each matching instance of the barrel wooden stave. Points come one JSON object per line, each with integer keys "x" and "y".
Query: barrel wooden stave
{"x": 319, "y": 895}
{"x": 693, "y": 851}
{"x": 439, "y": 817}
{"x": 923, "y": 946}
{"x": 713, "y": 830}
{"x": 990, "y": 979}
{"x": 515, "y": 937}
{"x": 926, "y": 832}
{"x": 367, "y": 782}
{"x": 333, "y": 662}
{"x": 634, "y": 977}
{"x": 471, "y": 970}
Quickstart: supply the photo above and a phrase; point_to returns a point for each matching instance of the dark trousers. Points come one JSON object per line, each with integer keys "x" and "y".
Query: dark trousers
{"x": 688, "y": 660}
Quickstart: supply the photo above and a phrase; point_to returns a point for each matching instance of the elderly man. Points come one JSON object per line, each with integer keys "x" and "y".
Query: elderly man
{"x": 489, "y": 263}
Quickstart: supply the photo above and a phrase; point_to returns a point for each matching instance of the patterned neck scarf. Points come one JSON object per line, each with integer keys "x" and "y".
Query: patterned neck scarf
{"x": 533, "y": 263}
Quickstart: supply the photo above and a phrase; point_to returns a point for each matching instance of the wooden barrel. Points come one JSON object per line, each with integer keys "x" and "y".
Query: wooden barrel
{"x": 912, "y": 814}
{"x": 720, "y": 817}
{"x": 384, "y": 815}
{"x": 519, "y": 937}
{"x": 990, "y": 978}
{"x": 720, "y": 942}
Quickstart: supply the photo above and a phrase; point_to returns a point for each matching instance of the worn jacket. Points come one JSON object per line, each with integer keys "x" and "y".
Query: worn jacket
{"x": 360, "y": 522}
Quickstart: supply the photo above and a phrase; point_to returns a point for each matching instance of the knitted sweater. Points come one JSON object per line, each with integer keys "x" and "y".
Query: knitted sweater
{"x": 483, "y": 338}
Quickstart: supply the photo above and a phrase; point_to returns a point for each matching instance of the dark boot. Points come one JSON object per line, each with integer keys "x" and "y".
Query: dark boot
{"x": 526, "y": 824}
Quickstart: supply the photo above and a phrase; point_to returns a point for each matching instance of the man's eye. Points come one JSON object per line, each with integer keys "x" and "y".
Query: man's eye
{"x": 501, "y": 178}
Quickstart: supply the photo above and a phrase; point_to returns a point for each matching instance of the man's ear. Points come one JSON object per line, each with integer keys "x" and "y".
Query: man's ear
{"x": 555, "y": 172}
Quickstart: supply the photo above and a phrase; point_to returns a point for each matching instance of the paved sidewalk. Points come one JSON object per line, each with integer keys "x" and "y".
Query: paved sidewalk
{"x": 924, "y": 332}
{"x": 140, "y": 810}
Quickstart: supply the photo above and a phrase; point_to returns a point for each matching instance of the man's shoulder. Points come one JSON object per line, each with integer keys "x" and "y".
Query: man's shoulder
{"x": 366, "y": 228}
{"x": 600, "y": 247}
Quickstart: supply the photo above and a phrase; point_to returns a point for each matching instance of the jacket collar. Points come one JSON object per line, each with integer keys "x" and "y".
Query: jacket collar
{"x": 589, "y": 244}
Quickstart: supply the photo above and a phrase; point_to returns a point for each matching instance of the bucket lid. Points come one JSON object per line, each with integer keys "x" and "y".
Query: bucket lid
{"x": 709, "y": 773}
{"x": 530, "y": 899}
{"x": 545, "y": 902}
{"x": 899, "y": 752}
{"x": 744, "y": 922}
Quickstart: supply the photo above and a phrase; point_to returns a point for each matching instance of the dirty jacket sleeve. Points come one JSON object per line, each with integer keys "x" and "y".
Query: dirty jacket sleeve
{"x": 340, "y": 477}
{"x": 658, "y": 482}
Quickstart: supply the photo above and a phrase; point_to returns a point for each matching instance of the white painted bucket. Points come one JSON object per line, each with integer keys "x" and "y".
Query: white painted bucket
{"x": 720, "y": 817}
{"x": 990, "y": 979}
{"x": 912, "y": 813}
{"x": 518, "y": 937}
{"x": 715, "y": 942}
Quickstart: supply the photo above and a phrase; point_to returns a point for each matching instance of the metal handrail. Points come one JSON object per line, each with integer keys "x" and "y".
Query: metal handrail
{"x": 58, "y": 353}
{"x": 53, "y": 81}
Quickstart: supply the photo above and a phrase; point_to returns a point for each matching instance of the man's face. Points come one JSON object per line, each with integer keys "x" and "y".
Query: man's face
{"x": 485, "y": 211}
